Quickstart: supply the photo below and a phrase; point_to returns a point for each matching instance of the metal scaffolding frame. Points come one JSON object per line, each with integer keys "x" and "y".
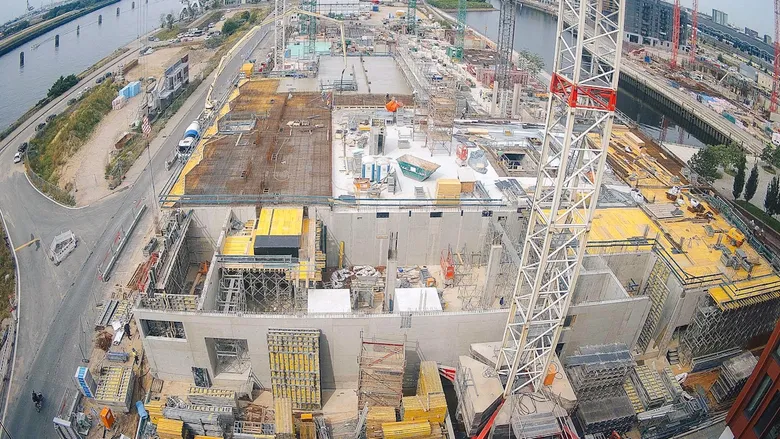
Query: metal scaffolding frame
{"x": 256, "y": 290}
{"x": 164, "y": 328}
{"x": 280, "y": 7}
{"x": 232, "y": 355}
{"x": 308, "y": 25}
{"x": 505, "y": 48}
{"x": 582, "y": 101}
{"x": 441, "y": 116}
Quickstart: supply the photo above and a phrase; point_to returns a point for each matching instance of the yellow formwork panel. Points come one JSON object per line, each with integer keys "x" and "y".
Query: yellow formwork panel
{"x": 287, "y": 221}
{"x": 238, "y": 245}
{"x": 406, "y": 429}
{"x": 264, "y": 222}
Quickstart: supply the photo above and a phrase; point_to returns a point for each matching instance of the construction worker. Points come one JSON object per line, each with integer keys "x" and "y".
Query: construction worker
{"x": 127, "y": 329}
{"x": 135, "y": 356}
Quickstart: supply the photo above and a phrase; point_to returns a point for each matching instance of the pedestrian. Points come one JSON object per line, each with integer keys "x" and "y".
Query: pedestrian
{"x": 127, "y": 329}
{"x": 135, "y": 356}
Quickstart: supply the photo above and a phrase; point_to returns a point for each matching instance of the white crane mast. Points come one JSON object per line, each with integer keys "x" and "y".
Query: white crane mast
{"x": 582, "y": 101}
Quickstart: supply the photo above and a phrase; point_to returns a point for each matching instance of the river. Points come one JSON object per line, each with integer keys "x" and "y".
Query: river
{"x": 535, "y": 31}
{"x": 22, "y": 87}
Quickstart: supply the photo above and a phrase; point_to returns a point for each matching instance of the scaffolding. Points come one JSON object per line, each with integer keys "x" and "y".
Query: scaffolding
{"x": 714, "y": 330}
{"x": 380, "y": 378}
{"x": 280, "y": 7}
{"x": 263, "y": 284}
{"x": 441, "y": 115}
{"x": 657, "y": 290}
{"x": 733, "y": 375}
{"x": 506, "y": 40}
{"x": 232, "y": 355}
{"x": 308, "y": 25}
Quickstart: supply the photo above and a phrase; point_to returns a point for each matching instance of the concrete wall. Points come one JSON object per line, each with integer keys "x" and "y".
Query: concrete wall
{"x": 441, "y": 337}
{"x": 601, "y": 311}
{"x": 631, "y": 266}
{"x": 421, "y": 237}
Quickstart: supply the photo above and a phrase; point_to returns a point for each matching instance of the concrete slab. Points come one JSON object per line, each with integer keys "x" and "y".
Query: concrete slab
{"x": 416, "y": 299}
{"x": 373, "y": 74}
{"x": 329, "y": 301}
{"x": 486, "y": 388}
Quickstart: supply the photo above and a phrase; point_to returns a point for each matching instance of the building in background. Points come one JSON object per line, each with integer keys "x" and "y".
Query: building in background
{"x": 720, "y": 17}
{"x": 768, "y": 39}
{"x": 170, "y": 85}
{"x": 756, "y": 412}
{"x": 650, "y": 22}
{"x": 751, "y": 33}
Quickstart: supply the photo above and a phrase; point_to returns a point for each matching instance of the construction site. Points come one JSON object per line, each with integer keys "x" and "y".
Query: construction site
{"x": 368, "y": 242}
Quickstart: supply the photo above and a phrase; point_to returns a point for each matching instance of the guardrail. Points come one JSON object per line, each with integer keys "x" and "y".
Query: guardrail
{"x": 123, "y": 234}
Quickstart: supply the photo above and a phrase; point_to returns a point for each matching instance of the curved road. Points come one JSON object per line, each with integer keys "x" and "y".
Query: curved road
{"x": 57, "y": 308}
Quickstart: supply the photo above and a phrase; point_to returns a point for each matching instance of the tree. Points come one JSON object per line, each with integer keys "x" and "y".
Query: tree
{"x": 739, "y": 178}
{"x": 705, "y": 164}
{"x": 728, "y": 155}
{"x": 169, "y": 20}
{"x": 230, "y": 26}
{"x": 244, "y": 15}
{"x": 162, "y": 21}
{"x": 767, "y": 153}
{"x": 752, "y": 183}
{"x": 772, "y": 194}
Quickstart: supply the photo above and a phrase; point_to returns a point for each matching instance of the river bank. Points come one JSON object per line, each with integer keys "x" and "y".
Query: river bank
{"x": 16, "y": 40}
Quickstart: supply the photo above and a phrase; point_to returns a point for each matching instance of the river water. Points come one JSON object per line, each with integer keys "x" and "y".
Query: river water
{"x": 22, "y": 87}
{"x": 535, "y": 31}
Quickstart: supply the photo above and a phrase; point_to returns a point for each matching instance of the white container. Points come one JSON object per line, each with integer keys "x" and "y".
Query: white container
{"x": 381, "y": 169}
{"x": 368, "y": 167}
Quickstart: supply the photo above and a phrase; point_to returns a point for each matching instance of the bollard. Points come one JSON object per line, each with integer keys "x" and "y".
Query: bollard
{"x": 132, "y": 6}
{"x": 117, "y": 11}
{"x": 100, "y": 19}
{"x": 78, "y": 30}
{"x": 21, "y": 59}
{"x": 57, "y": 40}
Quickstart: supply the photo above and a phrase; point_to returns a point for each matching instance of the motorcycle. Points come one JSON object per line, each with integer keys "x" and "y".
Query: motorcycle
{"x": 38, "y": 402}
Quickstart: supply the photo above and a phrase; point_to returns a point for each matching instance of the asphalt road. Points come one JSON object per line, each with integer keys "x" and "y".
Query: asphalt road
{"x": 57, "y": 309}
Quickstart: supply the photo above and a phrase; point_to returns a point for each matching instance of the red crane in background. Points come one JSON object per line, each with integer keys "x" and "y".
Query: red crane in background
{"x": 676, "y": 33}
{"x": 694, "y": 30}
{"x": 776, "y": 82}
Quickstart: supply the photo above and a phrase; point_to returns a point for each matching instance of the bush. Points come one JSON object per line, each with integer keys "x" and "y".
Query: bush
{"x": 230, "y": 26}
{"x": 61, "y": 85}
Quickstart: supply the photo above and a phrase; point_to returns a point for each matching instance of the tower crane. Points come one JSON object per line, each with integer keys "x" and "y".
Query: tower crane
{"x": 460, "y": 37}
{"x": 582, "y": 101}
{"x": 776, "y": 76}
{"x": 675, "y": 34}
{"x": 694, "y": 31}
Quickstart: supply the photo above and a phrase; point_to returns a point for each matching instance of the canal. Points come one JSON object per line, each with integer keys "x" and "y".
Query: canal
{"x": 535, "y": 31}
{"x": 43, "y": 63}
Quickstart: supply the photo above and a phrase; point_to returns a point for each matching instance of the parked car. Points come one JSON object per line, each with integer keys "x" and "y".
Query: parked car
{"x": 108, "y": 75}
{"x": 22, "y": 147}
{"x": 51, "y": 117}
{"x": 40, "y": 126}
{"x": 99, "y": 80}
{"x": 72, "y": 101}
{"x": 18, "y": 157}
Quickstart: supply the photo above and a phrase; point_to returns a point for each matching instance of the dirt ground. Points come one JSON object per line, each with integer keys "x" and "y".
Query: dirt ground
{"x": 85, "y": 170}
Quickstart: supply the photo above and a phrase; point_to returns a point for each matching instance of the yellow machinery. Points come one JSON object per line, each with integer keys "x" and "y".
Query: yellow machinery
{"x": 735, "y": 236}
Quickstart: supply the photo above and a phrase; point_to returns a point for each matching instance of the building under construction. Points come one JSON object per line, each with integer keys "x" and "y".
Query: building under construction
{"x": 319, "y": 221}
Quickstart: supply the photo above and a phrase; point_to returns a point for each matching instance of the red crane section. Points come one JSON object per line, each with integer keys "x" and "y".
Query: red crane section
{"x": 676, "y": 33}
{"x": 776, "y": 82}
{"x": 694, "y": 30}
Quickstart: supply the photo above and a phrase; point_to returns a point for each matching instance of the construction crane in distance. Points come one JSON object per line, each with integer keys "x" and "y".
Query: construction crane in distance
{"x": 460, "y": 37}
{"x": 675, "y": 34}
{"x": 411, "y": 17}
{"x": 694, "y": 31}
{"x": 582, "y": 101}
{"x": 776, "y": 76}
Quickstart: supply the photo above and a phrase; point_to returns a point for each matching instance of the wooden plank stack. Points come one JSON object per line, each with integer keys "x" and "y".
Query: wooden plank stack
{"x": 376, "y": 417}
{"x": 170, "y": 429}
{"x": 212, "y": 396}
{"x": 429, "y": 404}
{"x": 381, "y": 375}
{"x": 283, "y": 418}
{"x": 447, "y": 191}
{"x": 406, "y": 429}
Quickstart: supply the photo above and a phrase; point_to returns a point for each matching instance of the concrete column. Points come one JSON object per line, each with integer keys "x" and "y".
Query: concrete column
{"x": 491, "y": 273}
{"x": 516, "y": 100}
{"x": 391, "y": 273}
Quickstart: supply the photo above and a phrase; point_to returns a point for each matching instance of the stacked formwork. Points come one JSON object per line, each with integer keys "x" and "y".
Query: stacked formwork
{"x": 672, "y": 419}
{"x": 115, "y": 387}
{"x": 375, "y": 418}
{"x": 212, "y": 397}
{"x": 599, "y": 371}
{"x": 650, "y": 387}
{"x": 733, "y": 375}
{"x": 202, "y": 419}
{"x": 714, "y": 329}
{"x": 429, "y": 403}
{"x": 294, "y": 356}
{"x": 605, "y": 415}
{"x": 380, "y": 379}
